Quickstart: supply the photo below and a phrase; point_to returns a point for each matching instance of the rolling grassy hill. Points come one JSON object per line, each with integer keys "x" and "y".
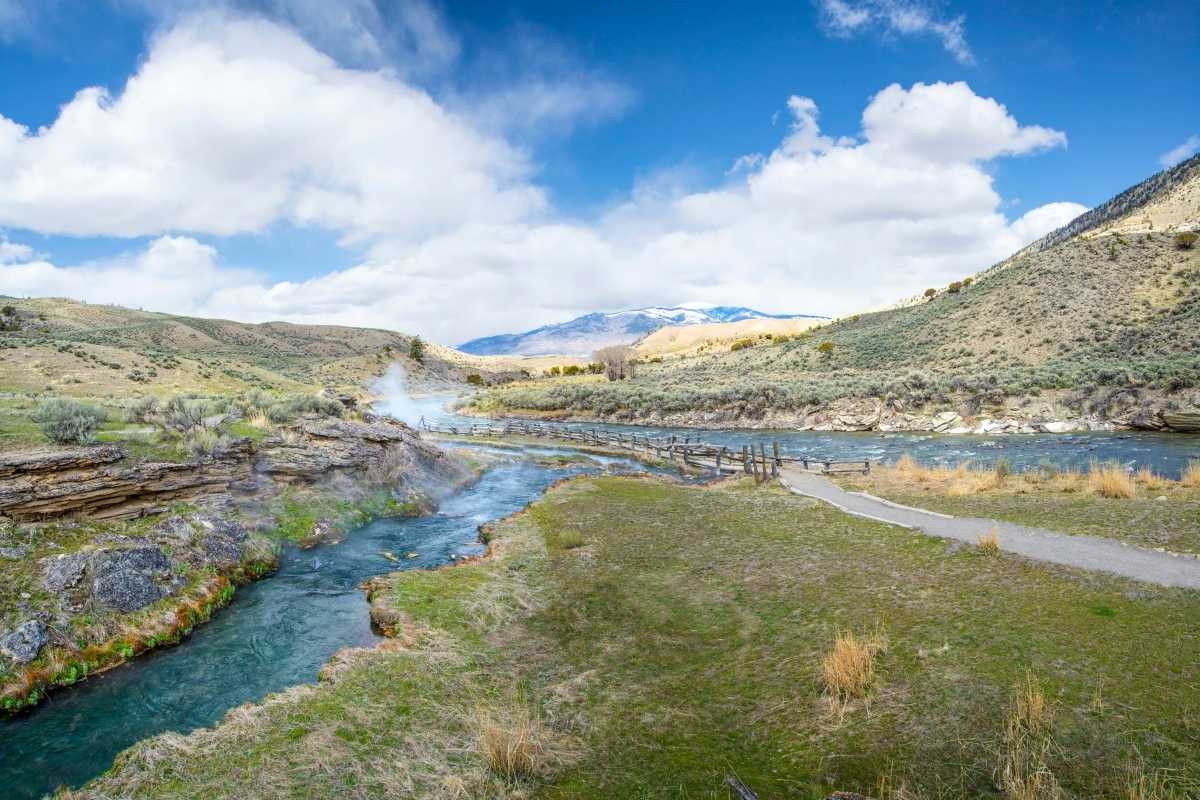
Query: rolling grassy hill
{"x": 1100, "y": 319}
{"x": 67, "y": 347}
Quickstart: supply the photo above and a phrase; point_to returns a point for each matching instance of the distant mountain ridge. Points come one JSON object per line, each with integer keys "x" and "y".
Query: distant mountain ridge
{"x": 583, "y": 335}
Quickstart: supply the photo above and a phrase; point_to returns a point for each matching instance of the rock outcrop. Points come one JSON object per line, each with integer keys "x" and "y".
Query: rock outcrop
{"x": 25, "y": 642}
{"x": 93, "y": 481}
{"x": 129, "y": 578}
{"x": 42, "y": 484}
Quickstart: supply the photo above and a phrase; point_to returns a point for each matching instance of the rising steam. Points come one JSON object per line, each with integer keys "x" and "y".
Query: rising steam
{"x": 393, "y": 398}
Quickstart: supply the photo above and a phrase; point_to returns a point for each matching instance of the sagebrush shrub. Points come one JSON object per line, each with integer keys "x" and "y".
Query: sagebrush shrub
{"x": 143, "y": 410}
{"x": 66, "y": 421}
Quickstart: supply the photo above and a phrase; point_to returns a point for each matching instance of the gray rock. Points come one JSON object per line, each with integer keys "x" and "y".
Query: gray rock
{"x": 223, "y": 542}
{"x": 24, "y": 643}
{"x": 1186, "y": 420}
{"x": 63, "y": 572}
{"x": 176, "y": 528}
{"x": 126, "y": 590}
{"x": 147, "y": 558}
{"x": 125, "y": 579}
{"x": 226, "y": 528}
{"x": 13, "y": 553}
{"x": 222, "y": 551}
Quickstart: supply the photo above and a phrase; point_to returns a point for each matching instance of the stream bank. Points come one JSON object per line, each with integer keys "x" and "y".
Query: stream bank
{"x": 102, "y": 560}
{"x": 279, "y": 633}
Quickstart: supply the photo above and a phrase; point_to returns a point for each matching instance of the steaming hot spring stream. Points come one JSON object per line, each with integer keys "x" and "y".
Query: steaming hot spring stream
{"x": 277, "y": 633}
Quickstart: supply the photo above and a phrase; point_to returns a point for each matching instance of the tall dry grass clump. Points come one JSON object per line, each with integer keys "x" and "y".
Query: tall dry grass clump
{"x": 512, "y": 744}
{"x": 1191, "y": 475}
{"x": 1110, "y": 480}
{"x": 989, "y": 543}
{"x": 848, "y": 670}
{"x": 1151, "y": 480}
{"x": 1023, "y": 772}
{"x": 1156, "y": 785}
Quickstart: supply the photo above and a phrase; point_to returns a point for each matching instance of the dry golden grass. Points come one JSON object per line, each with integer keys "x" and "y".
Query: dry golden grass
{"x": 259, "y": 420}
{"x": 1191, "y": 475}
{"x": 1156, "y": 785}
{"x": 848, "y": 670}
{"x": 512, "y": 743}
{"x": 1110, "y": 480}
{"x": 1029, "y": 710}
{"x": 960, "y": 481}
{"x": 1022, "y": 773}
{"x": 1149, "y": 479}
{"x": 989, "y": 543}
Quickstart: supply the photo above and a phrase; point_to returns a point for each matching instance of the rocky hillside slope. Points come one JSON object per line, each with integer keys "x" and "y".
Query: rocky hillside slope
{"x": 1093, "y": 330}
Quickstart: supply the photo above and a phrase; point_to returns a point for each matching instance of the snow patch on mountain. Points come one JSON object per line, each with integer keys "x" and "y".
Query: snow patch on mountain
{"x": 584, "y": 335}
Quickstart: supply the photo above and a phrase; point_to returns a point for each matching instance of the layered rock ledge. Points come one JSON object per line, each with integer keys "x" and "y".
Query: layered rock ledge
{"x": 96, "y": 482}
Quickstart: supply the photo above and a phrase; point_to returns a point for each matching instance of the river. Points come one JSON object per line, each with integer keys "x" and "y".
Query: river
{"x": 1166, "y": 453}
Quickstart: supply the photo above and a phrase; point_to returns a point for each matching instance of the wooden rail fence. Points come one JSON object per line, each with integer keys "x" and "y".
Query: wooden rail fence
{"x": 751, "y": 459}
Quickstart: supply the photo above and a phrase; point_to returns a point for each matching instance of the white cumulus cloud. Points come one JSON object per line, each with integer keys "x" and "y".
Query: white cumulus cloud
{"x": 460, "y": 242}
{"x": 232, "y": 124}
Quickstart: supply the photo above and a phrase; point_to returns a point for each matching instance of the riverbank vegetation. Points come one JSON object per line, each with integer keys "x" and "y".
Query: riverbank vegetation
{"x": 1106, "y": 500}
{"x": 635, "y": 638}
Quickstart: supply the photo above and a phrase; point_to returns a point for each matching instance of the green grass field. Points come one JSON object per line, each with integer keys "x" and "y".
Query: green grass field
{"x": 635, "y": 639}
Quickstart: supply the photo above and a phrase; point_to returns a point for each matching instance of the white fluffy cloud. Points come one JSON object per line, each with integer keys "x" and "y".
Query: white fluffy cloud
{"x": 893, "y": 18}
{"x": 231, "y": 125}
{"x": 236, "y": 125}
{"x": 172, "y": 273}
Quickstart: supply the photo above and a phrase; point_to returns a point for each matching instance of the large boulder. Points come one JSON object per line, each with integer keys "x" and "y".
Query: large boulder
{"x": 24, "y": 643}
{"x": 222, "y": 541}
{"x": 124, "y": 580}
{"x": 63, "y": 572}
{"x": 175, "y": 529}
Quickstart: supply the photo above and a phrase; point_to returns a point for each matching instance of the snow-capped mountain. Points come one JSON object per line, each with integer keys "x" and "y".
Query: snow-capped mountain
{"x": 584, "y": 335}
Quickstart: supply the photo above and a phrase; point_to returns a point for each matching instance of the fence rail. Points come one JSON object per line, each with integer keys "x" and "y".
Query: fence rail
{"x": 752, "y": 459}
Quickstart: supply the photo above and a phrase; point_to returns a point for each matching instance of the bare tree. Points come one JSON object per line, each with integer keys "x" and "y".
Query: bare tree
{"x": 617, "y": 360}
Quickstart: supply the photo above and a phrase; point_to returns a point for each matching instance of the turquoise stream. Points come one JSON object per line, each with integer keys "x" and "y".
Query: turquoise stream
{"x": 278, "y": 632}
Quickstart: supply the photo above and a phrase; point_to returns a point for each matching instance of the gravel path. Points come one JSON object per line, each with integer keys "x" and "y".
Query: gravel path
{"x": 1085, "y": 552}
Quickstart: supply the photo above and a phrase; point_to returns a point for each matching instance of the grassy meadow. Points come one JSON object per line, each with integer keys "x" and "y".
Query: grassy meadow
{"x": 634, "y": 638}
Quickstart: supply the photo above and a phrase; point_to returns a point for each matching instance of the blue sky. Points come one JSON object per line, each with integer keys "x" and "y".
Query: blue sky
{"x": 575, "y": 158}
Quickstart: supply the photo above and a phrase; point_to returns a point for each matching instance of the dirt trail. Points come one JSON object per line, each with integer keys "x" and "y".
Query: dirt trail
{"x": 1085, "y": 552}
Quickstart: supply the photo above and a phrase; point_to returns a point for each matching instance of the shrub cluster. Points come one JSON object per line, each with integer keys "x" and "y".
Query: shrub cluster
{"x": 66, "y": 421}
